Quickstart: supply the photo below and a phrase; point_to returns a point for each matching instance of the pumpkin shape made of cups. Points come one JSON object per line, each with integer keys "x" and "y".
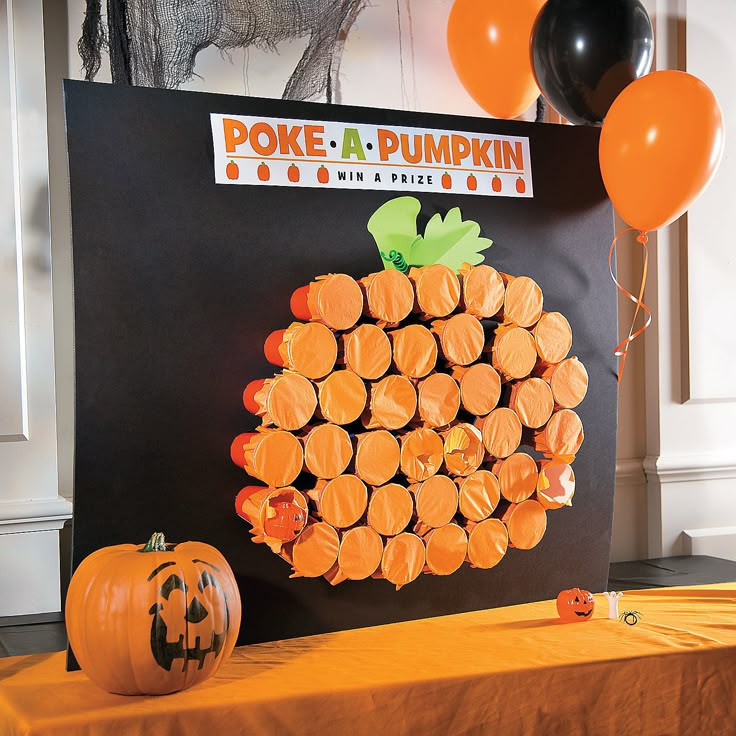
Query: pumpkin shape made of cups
{"x": 171, "y": 615}
{"x": 445, "y": 387}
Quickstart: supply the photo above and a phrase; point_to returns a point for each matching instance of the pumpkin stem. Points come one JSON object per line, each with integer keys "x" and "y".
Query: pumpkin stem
{"x": 156, "y": 543}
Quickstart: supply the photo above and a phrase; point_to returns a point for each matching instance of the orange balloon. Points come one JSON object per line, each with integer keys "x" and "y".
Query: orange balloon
{"x": 489, "y": 42}
{"x": 661, "y": 143}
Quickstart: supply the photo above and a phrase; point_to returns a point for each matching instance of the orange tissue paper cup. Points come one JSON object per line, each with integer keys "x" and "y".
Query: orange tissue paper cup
{"x": 361, "y": 550}
{"x": 435, "y": 501}
{"x": 314, "y": 551}
{"x": 403, "y": 559}
{"x": 522, "y": 304}
{"x": 553, "y": 336}
{"x": 514, "y": 353}
{"x": 389, "y": 296}
{"x": 463, "y": 449}
{"x": 271, "y": 455}
{"x": 367, "y": 351}
{"x": 377, "y": 456}
{"x": 461, "y": 338}
{"x": 517, "y": 476}
{"x": 414, "y": 350}
{"x": 249, "y": 394}
{"x": 487, "y": 543}
{"x": 562, "y": 436}
{"x": 555, "y": 485}
{"x": 480, "y": 387}
{"x": 438, "y": 400}
{"x": 532, "y": 400}
{"x": 390, "y": 509}
{"x": 482, "y": 290}
{"x": 342, "y": 501}
{"x": 479, "y": 494}
{"x": 309, "y": 349}
{"x": 392, "y": 403}
{"x": 283, "y": 514}
{"x": 342, "y": 397}
{"x": 446, "y": 549}
{"x": 568, "y": 381}
{"x": 271, "y": 348}
{"x": 277, "y": 515}
{"x": 437, "y": 289}
{"x": 327, "y": 450}
{"x": 501, "y": 431}
{"x": 526, "y": 523}
{"x": 287, "y": 400}
{"x": 335, "y": 300}
{"x": 422, "y": 453}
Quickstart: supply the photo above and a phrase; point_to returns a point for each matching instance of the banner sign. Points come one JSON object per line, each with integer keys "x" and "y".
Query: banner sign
{"x": 336, "y": 155}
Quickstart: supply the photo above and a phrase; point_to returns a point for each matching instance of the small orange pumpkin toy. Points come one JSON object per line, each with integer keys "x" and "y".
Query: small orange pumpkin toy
{"x": 575, "y": 605}
{"x": 152, "y": 619}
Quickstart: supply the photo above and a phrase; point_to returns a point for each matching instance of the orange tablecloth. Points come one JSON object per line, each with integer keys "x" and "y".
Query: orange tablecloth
{"x": 508, "y": 671}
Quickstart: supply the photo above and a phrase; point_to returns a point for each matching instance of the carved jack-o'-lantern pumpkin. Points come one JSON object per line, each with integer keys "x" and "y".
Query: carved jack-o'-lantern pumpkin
{"x": 575, "y": 605}
{"x": 152, "y": 619}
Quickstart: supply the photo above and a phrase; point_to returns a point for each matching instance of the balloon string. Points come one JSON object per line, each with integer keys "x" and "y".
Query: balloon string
{"x": 622, "y": 349}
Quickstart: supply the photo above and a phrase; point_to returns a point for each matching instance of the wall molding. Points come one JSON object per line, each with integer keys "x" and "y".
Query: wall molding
{"x": 31, "y": 515}
{"x": 630, "y": 471}
{"x": 690, "y": 468}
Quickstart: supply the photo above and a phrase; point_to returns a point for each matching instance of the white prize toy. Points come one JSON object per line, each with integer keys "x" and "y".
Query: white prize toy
{"x": 613, "y": 598}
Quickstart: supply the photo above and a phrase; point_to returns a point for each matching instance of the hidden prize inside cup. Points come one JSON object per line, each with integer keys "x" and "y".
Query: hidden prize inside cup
{"x": 419, "y": 421}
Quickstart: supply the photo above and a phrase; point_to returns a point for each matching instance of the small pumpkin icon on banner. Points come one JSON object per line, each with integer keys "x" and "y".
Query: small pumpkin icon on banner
{"x": 264, "y": 173}
{"x": 446, "y": 181}
{"x": 520, "y": 185}
{"x": 293, "y": 173}
{"x": 496, "y": 184}
{"x": 472, "y": 182}
{"x": 171, "y": 614}
{"x": 231, "y": 170}
{"x": 323, "y": 174}
{"x": 575, "y": 605}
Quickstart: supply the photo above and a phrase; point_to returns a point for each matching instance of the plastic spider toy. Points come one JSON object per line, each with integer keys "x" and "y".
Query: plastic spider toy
{"x": 630, "y": 617}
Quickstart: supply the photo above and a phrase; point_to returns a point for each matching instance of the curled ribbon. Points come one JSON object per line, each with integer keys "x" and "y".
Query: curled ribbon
{"x": 622, "y": 349}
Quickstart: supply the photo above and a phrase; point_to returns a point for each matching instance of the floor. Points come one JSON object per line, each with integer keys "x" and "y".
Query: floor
{"x": 32, "y": 639}
{"x": 47, "y": 635}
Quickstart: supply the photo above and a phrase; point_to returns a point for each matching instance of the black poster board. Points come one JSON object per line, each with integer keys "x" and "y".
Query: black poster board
{"x": 178, "y": 281}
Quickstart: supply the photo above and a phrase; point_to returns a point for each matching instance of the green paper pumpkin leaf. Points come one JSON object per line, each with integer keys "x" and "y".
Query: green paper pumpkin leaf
{"x": 394, "y": 228}
{"x": 451, "y": 242}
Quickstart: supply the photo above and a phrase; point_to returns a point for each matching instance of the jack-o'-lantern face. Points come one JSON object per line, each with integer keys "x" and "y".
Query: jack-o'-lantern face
{"x": 192, "y": 610}
{"x": 163, "y": 606}
{"x": 284, "y": 519}
{"x": 575, "y": 605}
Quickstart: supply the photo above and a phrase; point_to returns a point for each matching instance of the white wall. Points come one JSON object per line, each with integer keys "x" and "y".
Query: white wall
{"x": 684, "y": 444}
{"x": 690, "y": 384}
{"x": 31, "y": 509}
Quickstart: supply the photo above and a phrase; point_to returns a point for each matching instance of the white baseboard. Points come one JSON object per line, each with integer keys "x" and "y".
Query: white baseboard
{"x": 31, "y": 582}
{"x": 717, "y": 541}
{"x": 689, "y": 492}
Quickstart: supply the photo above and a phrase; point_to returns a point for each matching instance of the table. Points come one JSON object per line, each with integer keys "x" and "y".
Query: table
{"x": 513, "y": 670}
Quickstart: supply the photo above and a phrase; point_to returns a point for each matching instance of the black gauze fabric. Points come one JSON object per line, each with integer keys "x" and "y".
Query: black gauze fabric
{"x": 154, "y": 43}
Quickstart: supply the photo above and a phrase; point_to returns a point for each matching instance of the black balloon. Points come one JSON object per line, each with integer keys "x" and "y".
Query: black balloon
{"x": 584, "y": 52}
